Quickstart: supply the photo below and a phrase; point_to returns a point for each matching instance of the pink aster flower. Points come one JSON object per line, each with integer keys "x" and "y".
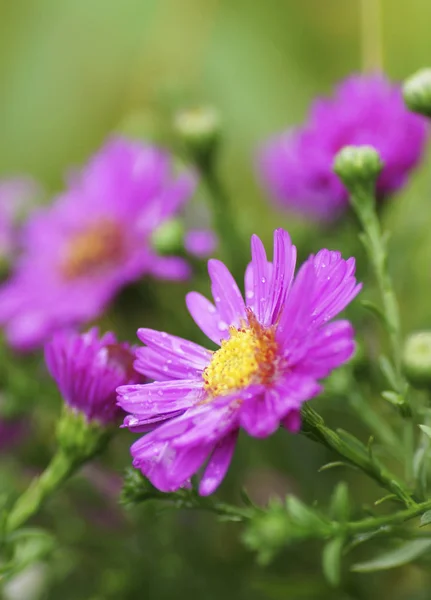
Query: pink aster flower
{"x": 92, "y": 241}
{"x": 88, "y": 369}
{"x": 296, "y": 166}
{"x": 275, "y": 346}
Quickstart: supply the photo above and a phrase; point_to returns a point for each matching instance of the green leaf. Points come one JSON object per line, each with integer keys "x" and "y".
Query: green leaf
{"x": 393, "y": 397}
{"x": 246, "y": 498}
{"x": 356, "y": 445}
{"x": 388, "y": 371}
{"x": 28, "y": 545}
{"x": 331, "y": 561}
{"x": 377, "y": 312}
{"x": 385, "y": 498}
{"x": 425, "y": 519}
{"x": 360, "y": 538}
{"x": 337, "y": 463}
{"x": 300, "y": 513}
{"x": 426, "y": 430}
{"x": 339, "y": 509}
{"x": 395, "y": 558}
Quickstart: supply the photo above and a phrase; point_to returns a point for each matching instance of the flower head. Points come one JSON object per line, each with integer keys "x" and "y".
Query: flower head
{"x": 87, "y": 369}
{"x": 296, "y": 166}
{"x": 92, "y": 241}
{"x": 274, "y": 347}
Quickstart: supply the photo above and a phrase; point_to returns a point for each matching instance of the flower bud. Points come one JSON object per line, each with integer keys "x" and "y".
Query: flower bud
{"x": 79, "y": 438}
{"x": 417, "y": 359}
{"x": 357, "y": 165}
{"x": 168, "y": 238}
{"x": 199, "y": 129}
{"x": 417, "y": 92}
{"x": 88, "y": 368}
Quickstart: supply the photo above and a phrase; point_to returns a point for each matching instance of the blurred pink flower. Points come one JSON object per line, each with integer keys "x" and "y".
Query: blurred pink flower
{"x": 296, "y": 166}
{"x": 92, "y": 241}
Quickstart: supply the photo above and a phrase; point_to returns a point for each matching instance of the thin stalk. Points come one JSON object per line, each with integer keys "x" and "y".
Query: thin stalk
{"x": 397, "y": 518}
{"x": 315, "y": 428}
{"x": 28, "y": 504}
{"x": 231, "y": 241}
{"x": 375, "y": 246}
{"x": 371, "y": 35}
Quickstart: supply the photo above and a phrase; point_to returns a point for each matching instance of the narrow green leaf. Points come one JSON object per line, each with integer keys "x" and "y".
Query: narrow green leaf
{"x": 393, "y": 398}
{"x": 331, "y": 561}
{"x": 360, "y": 538}
{"x": 340, "y": 506}
{"x": 425, "y": 518}
{"x": 377, "y": 312}
{"x": 395, "y": 558}
{"x": 353, "y": 442}
{"x": 426, "y": 430}
{"x": 385, "y": 498}
{"x": 246, "y": 498}
{"x": 337, "y": 463}
{"x": 388, "y": 371}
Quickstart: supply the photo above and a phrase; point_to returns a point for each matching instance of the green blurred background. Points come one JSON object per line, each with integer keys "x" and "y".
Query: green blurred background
{"x": 73, "y": 72}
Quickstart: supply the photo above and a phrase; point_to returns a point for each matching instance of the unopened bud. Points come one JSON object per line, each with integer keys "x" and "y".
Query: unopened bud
{"x": 417, "y": 92}
{"x": 417, "y": 359}
{"x": 199, "y": 130}
{"x": 79, "y": 438}
{"x": 169, "y": 237}
{"x": 357, "y": 165}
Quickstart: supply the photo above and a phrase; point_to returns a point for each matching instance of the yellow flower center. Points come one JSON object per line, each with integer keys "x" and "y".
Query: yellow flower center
{"x": 248, "y": 356}
{"x": 89, "y": 251}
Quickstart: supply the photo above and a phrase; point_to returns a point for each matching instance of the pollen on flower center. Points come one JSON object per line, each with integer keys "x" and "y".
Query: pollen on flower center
{"x": 96, "y": 247}
{"x": 248, "y": 356}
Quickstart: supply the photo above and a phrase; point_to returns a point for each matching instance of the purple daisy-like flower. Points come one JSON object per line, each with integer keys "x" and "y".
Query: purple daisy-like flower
{"x": 92, "y": 241}
{"x": 274, "y": 348}
{"x": 296, "y": 166}
{"x": 88, "y": 369}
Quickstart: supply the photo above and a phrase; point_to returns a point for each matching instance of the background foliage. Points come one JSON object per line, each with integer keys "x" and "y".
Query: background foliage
{"x": 73, "y": 72}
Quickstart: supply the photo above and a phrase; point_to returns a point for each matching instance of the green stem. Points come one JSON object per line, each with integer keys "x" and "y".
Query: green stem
{"x": 375, "y": 245}
{"x": 315, "y": 428}
{"x": 371, "y": 36}
{"x": 371, "y": 523}
{"x": 59, "y": 470}
{"x": 224, "y": 222}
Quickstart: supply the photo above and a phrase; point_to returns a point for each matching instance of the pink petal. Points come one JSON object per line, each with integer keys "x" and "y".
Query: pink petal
{"x": 227, "y": 297}
{"x": 206, "y": 317}
{"x": 218, "y": 464}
